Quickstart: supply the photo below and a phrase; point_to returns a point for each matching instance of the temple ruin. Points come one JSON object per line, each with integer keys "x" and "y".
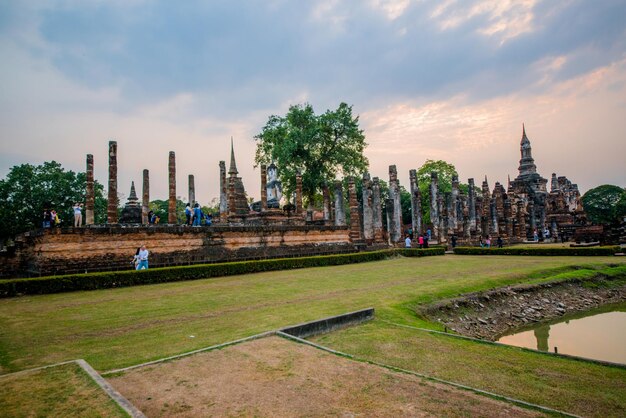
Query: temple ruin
{"x": 346, "y": 222}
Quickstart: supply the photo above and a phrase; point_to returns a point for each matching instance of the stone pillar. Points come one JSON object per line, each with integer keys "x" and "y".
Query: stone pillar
{"x": 90, "y": 197}
{"x": 416, "y": 205}
{"x": 368, "y": 213}
{"x": 395, "y": 224}
{"x": 298, "y": 201}
{"x": 355, "y": 219}
{"x": 192, "y": 190}
{"x": 521, "y": 221}
{"x": 340, "y": 214}
{"x": 508, "y": 218}
{"x": 223, "y": 192}
{"x": 466, "y": 220}
{"x": 448, "y": 207}
{"x": 389, "y": 211}
{"x": 531, "y": 217}
{"x": 494, "y": 218}
{"x": 452, "y": 212}
{"x": 112, "y": 201}
{"x": 326, "y": 202}
{"x": 486, "y": 209}
{"x": 441, "y": 230}
{"x": 434, "y": 208}
{"x": 471, "y": 201}
{"x": 145, "y": 198}
{"x": 263, "y": 187}
{"x": 377, "y": 216}
{"x": 171, "y": 207}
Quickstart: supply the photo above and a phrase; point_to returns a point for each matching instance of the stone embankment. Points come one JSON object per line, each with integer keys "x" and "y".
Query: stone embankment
{"x": 488, "y": 315}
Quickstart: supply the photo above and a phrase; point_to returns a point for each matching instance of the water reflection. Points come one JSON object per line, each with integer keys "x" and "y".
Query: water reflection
{"x": 598, "y": 334}
{"x": 542, "y": 333}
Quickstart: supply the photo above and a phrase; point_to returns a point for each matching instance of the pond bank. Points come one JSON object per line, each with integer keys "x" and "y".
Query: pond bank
{"x": 490, "y": 314}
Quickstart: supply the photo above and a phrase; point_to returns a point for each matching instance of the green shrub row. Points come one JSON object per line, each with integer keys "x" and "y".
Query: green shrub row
{"x": 417, "y": 252}
{"x": 585, "y": 251}
{"x": 93, "y": 281}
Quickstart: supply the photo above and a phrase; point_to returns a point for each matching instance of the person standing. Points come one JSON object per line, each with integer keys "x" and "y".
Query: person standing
{"x": 143, "y": 258}
{"x": 135, "y": 261}
{"x": 78, "y": 214}
{"x": 188, "y": 214}
{"x": 420, "y": 240}
{"x": 197, "y": 215}
{"x": 499, "y": 242}
{"x": 453, "y": 240}
{"x": 47, "y": 218}
{"x": 488, "y": 242}
{"x": 407, "y": 242}
{"x": 54, "y": 218}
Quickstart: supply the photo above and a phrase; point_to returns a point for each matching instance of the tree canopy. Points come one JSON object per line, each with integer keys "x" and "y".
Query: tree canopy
{"x": 605, "y": 204}
{"x": 444, "y": 171}
{"x": 28, "y": 190}
{"x": 321, "y": 147}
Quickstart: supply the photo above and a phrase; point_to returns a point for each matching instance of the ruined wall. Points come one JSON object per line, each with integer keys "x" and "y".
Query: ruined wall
{"x": 63, "y": 251}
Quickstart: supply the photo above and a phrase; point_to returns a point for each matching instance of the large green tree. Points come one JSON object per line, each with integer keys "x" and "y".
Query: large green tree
{"x": 444, "y": 171}
{"x": 605, "y": 204}
{"x": 28, "y": 190}
{"x": 321, "y": 147}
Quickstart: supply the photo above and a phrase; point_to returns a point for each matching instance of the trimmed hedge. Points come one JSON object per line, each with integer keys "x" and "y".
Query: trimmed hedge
{"x": 104, "y": 280}
{"x": 421, "y": 252}
{"x": 589, "y": 251}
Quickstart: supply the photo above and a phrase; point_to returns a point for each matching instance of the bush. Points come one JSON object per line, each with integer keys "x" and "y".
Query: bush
{"x": 417, "y": 252}
{"x": 93, "y": 281}
{"x": 590, "y": 251}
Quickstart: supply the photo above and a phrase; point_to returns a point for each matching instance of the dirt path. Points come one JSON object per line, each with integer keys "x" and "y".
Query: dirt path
{"x": 277, "y": 377}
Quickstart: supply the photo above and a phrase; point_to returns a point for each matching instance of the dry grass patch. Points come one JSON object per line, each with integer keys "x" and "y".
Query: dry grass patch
{"x": 276, "y": 377}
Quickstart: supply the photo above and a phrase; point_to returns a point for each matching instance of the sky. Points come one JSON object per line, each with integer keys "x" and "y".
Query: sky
{"x": 451, "y": 80}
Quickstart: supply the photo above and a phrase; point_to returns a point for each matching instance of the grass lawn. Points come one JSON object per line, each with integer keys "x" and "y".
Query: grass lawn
{"x": 60, "y": 391}
{"x": 572, "y": 386}
{"x": 120, "y": 327}
{"x": 114, "y": 328}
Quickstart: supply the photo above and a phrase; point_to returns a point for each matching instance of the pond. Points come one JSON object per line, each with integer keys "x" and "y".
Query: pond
{"x": 598, "y": 334}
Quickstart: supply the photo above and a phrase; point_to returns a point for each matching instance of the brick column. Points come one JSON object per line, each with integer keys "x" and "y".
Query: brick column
{"x": 416, "y": 205}
{"x": 145, "y": 197}
{"x": 395, "y": 223}
{"x": 192, "y": 190}
{"x": 434, "y": 207}
{"x": 90, "y": 197}
{"x": 453, "y": 216}
{"x": 326, "y": 202}
{"x": 223, "y": 192}
{"x": 355, "y": 219}
{"x": 377, "y": 216}
{"x": 521, "y": 221}
{"x": 171, "y": 207}
{"x": 368, "y": 213}
{"x": 112, "y": 201}
{"x": 263, "y": 187}
{"x": 471, "y": 202}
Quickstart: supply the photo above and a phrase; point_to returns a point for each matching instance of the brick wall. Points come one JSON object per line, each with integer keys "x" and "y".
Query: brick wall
{"x": 69, "y": 250}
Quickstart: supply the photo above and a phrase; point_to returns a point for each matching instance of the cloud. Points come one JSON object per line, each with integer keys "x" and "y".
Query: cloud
{"x": 430, "y": 80}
